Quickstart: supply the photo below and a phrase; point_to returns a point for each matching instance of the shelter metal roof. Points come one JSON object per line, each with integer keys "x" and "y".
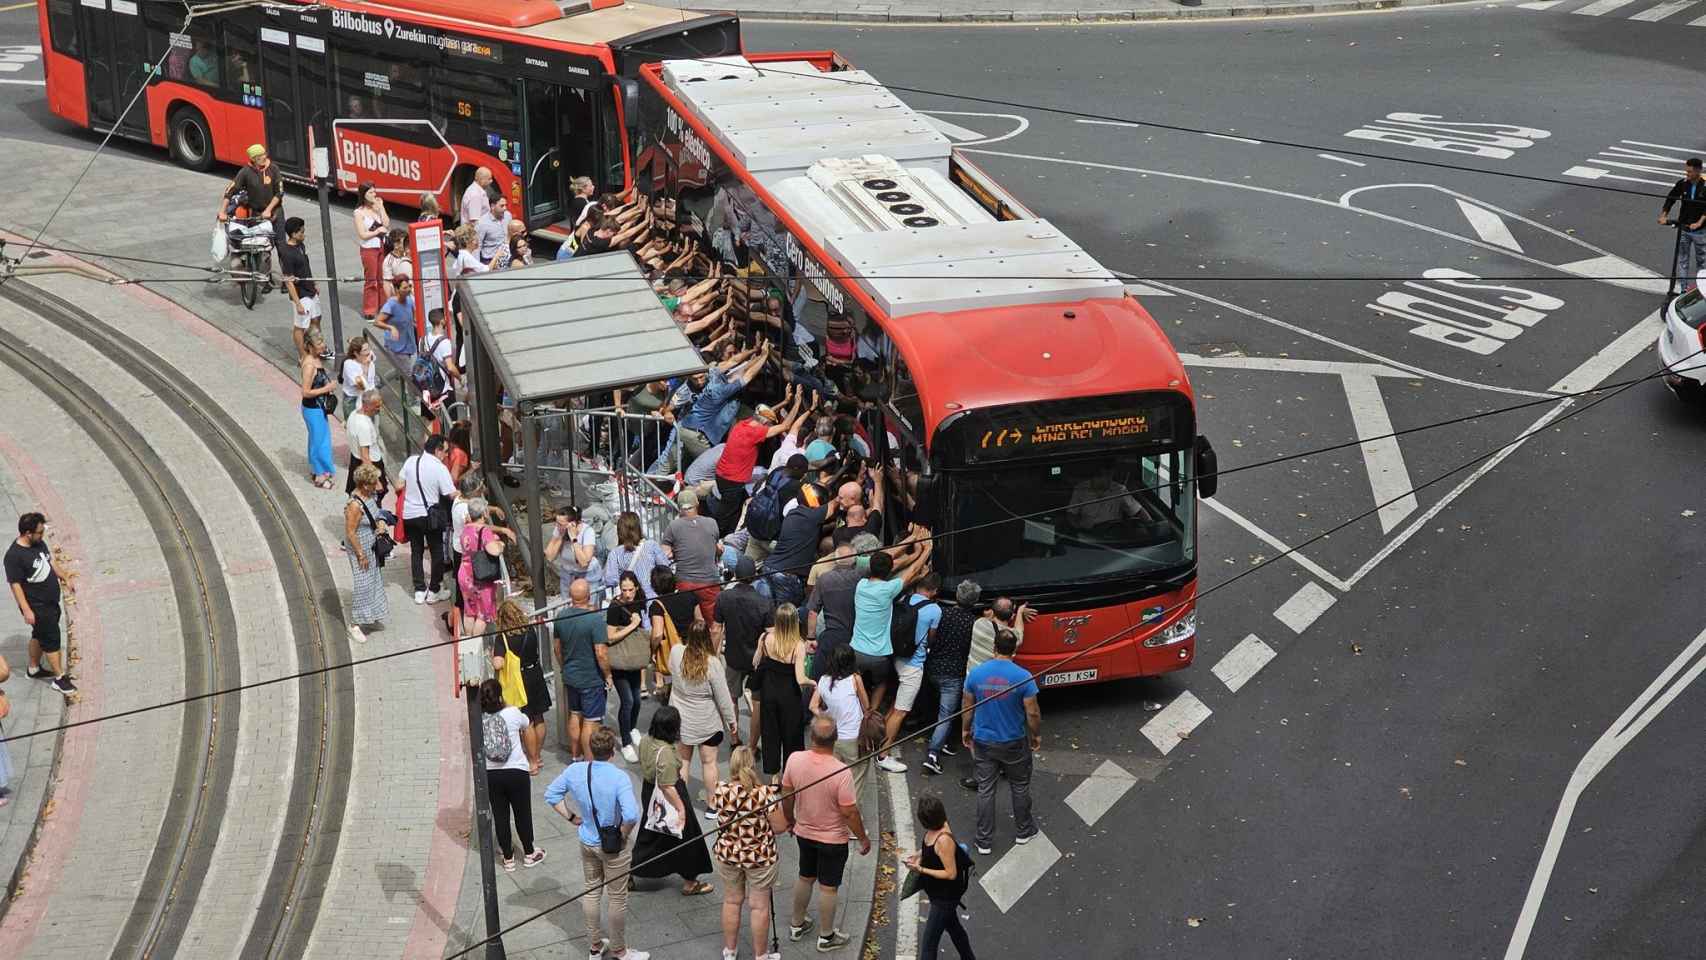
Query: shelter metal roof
{"x": 576, "y": 326}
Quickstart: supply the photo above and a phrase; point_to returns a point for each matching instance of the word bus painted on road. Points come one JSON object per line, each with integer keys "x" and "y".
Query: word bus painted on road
{"x": 1496, "y": 141}
{"x": 1463, "y": 310}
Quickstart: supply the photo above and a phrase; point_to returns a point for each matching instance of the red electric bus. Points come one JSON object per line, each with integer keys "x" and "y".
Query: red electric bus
{"x": 414, "y": 95}
{"x": 1042, "y": 421}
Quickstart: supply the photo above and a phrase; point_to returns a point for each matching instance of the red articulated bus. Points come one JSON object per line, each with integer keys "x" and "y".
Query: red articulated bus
{"x": 414, "y": 95}
{"x": 1043, "y": 423}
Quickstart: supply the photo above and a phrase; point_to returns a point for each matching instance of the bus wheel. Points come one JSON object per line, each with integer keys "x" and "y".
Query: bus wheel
{"x": 190, "y": 140}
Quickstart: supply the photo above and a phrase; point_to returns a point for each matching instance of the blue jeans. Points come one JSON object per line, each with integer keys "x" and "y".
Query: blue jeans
{"x": 627, "y": 702}
{"x": 1690, "y": 257}
{"x": 949, "y": 704}
{"x": 319, "y": 442}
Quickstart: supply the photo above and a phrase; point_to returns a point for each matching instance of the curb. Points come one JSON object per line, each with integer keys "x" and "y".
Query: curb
{"x": 1081, "y": 17}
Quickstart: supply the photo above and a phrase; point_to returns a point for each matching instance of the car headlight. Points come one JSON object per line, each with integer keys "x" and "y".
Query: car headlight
{"x": 1178, "y": 631}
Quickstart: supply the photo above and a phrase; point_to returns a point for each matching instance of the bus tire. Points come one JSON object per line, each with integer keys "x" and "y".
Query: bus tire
{"x": 190, "y": 140}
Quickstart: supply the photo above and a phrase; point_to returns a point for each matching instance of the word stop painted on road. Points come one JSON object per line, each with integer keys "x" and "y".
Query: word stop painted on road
{"x": 1498, "y": 141}
{"x": 1464, "y": 310}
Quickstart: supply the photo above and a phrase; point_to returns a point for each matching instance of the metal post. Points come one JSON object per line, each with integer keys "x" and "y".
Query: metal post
{"x": 530, "y": 470}
{"x": 323, "y": 181}
{"x": 483, "y": 824}
{"x": 1675, "y": 261}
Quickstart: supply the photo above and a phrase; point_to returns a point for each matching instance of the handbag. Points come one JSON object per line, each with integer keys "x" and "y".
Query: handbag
{"x": 610, "y": 839}
{"x": 327, "y": 402}
{"x": 438, "y": 513}
{"x": 632, "y": 652}
{"x": 382, "y": 542}
{"x": 485, "y": 567}
{"x": 671, "y": 640}
{"x": 661, "y": 817}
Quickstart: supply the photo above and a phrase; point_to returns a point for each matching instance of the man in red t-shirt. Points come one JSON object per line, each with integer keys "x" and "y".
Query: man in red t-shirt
{"x": 740, "y": 455}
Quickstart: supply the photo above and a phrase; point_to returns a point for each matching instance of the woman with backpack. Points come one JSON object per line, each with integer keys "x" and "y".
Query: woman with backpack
{"x": 507, "y": 778}
{"x": 943, "y": 875}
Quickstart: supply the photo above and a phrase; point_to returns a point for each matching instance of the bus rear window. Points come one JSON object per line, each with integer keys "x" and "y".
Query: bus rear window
{"x": 62, "y": 25}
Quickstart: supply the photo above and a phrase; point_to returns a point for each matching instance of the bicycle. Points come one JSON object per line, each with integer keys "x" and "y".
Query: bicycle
{"x": 251, "y": 242}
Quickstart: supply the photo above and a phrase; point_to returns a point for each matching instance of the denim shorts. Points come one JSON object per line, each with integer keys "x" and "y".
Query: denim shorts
{"x": 589, "y": 702}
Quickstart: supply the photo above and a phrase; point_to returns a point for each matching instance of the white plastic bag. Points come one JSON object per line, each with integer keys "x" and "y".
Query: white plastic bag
{"x": 220, "y": 249}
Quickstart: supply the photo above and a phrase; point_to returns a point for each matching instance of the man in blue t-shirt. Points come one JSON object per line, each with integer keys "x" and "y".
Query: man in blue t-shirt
{"x": 397, "y": 319}
{"x": 1003, "y": 726}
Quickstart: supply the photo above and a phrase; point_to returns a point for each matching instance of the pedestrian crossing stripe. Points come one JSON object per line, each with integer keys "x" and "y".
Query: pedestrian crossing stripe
{"x": 1642, "y": 10}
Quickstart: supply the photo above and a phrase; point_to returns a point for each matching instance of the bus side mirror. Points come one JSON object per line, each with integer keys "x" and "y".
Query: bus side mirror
{"x": 629, "y": 90}
{"x": 1208, "y": 469}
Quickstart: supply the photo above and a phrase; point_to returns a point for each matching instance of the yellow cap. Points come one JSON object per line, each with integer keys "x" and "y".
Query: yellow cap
{"x": 256, "y": 150}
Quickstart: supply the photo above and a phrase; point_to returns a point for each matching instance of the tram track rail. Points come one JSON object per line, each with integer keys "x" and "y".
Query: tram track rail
{"x": 289, "y": 899}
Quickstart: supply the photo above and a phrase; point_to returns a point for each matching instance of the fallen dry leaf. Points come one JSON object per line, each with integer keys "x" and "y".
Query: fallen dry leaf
{"x": 1461, "y": 762}
{"x": 1193, "y": 921}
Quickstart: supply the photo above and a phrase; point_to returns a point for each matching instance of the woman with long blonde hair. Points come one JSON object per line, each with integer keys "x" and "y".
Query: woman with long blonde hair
{"x": 701, "y": 692}
{"x": 779, "y": 667}
{"x": 515, "y": 654}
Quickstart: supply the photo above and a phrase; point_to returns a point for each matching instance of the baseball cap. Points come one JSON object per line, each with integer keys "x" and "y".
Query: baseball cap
{"x": 687, "y": 499}
{"x": 256, "y": 150}
{"x": 745, "y": 569}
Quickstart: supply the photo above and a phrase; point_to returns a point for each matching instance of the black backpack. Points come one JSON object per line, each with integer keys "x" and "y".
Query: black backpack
{"x": 964, "y": 867}
{"x": 903, "y": 626}
{"x": 764, "y": 509}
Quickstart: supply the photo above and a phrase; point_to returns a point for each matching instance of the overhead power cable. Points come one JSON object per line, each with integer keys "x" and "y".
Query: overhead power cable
{"x": 971, "y": 528}
{"x": 1064, "y": 661}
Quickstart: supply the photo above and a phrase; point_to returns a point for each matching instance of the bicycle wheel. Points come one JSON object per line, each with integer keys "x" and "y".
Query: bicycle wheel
{"x": 250, "y": 287}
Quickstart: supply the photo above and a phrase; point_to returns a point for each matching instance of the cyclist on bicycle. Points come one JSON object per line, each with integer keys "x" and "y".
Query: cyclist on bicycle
{"x": 262, "y": 187}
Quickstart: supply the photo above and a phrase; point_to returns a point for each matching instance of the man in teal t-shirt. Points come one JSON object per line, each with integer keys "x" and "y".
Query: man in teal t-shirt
{"x": 583, "y": 650}
{"x": 1003, "y": 726}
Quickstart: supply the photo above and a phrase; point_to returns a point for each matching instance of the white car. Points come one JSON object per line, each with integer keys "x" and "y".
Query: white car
{"x": 1682, "y": 346}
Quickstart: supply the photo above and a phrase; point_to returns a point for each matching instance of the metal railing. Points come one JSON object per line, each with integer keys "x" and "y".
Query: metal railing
{"x": 608, "y": 457}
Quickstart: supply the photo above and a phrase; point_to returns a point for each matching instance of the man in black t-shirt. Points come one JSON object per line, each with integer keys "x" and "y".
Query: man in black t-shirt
{"x": 1691, "y": 239}
{"x": 34, "y": 579}
{"x": 297, "y": 271}
{"x": 742, "y": 613}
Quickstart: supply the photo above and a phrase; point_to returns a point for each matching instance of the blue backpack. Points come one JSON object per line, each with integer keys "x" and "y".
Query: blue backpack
{"x": 764, "y": 509}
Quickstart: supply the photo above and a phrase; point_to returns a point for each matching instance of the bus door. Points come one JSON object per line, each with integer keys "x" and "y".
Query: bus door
{"x": 293, "y": 74}
{"x": 560, "y": 143}
{"x": 115, "y": 71}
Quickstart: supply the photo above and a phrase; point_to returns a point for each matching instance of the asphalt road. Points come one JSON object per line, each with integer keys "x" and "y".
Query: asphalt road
{"x": 1386, "y": 783}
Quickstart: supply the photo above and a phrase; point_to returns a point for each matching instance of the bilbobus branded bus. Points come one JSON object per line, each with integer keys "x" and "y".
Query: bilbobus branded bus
{"x": 1043, "y": 423}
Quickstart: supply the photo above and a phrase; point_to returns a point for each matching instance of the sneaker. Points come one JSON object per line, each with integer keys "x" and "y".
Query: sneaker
{"x": 931, "y": 765}
{"x": 632, "y": 954}
{"x": 730, "y": 954}
{"x": 535, "y": 858}
{"x": 420, "y": 596}
{"x": 630, "y": 754}
{"x": 37, "y": 673}
{"x": 441, "y": 595}
{"x": 711, "y": 815}
{"x": 634, "y": 735}
{"x": 985, "y": 849}
{"x": 596, "y": 950}
{"x": 891, "y": 764}
{"x": 796, "y": 932}
{"x": 834, "y": 941}
{"x": 64, "y": 685}
{"x": 949, "y": 750}
{"x": 1021, "y": 841}
{"x": 356, "y": 635}
{"x": 509, "y": 865}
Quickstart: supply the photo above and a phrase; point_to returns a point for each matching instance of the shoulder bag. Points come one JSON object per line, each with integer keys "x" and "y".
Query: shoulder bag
{"x": 382, "y": 542}
{"x": 484, "y": 566}
{"x": 661, "y": 817}
{"x": 671, "y": 640}
{"x": 610, "y": 839}
{"x": 438, "y": 511}
{"x": 632, "y": 652}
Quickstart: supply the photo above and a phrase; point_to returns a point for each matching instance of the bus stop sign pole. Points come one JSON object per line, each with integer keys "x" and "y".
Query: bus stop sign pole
{"x": 475, "y": 666}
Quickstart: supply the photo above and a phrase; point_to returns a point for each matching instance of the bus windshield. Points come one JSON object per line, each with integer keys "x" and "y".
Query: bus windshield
{"x": 1089, "y": 518}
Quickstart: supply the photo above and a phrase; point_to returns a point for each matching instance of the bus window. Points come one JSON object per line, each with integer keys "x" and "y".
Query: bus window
{"x": 62, "y": 25}
{"x": 240, "y": 59}
{"x": 189, "y": 57}
{"x": 377, "y": 88}
{"x": 475, "y": 105}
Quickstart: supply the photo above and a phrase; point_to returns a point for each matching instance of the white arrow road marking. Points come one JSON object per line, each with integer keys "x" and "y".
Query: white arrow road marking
{"x": 1388, "y": 476}
{"x": 1305, "y": 607}
{"x": 1620, "y": 272}
{"x": 1594, "y": 173}
{"x": 1178, "y": 718}
{"x": 1218, "y": 505}
{"x": 953, "y": 131}
{"x": 1243, "y": 662}
{"x": 1641, "y": 712}
{"x": 1017, "y": 871}
{"x": 1098, "y": 794}
{"x": 1489, "y": 226}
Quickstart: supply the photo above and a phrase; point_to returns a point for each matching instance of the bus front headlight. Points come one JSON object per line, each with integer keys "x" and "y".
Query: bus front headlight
{"x": 1178, "y": 631}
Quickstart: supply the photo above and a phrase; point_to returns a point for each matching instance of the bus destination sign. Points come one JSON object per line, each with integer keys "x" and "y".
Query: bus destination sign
{"x": 1035, "y": 430}
{"x": 1094, "y": 430}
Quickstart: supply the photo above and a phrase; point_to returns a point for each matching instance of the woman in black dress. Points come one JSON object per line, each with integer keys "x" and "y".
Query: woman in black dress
{"x": 660, "y": 769}
{"x": 779, "y": 673}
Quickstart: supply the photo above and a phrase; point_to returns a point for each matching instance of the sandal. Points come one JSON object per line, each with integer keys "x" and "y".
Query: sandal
{"x": 695, "y": 888}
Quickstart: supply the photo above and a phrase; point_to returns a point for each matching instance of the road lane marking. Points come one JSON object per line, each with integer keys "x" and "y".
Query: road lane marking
{"x": 1619, "y": 272}
{"x": 1485, "y": 468}
{"x": 25, "y": 83}
{"x": 952, "y": 131}
{"x": 905, "y": 844}
{"x": 1627, "y": 727}
{"x": 1388, "y": 476}
{"x": 956, "y": 132}
{"x": 1354, "y": 163}
{"x": 1242, "y": 662}
{"x": 1174, "y": 722}
{"x": 1016, "y": 872}
{"x": 1296, "y": 556}
{"x": 1601, "y": 7}
{"x": 1685, "y": 151}
{"x": 1662, "y": 11}
{"x": 17, "y": 6}
{"x": 1144, "y": 289}
{"x": 1335, "y": 368}
{"x": 1222, "y": 136}
{"x": 1305, "y": 606}
{"x": 1112, "y": 123}
{"x": 1098, "y": 794}
{"x": 1489, "y": 226}
{"x": 1613, "y": 356}
{"x": 1540, "y": 4}
{"x": 1342, "y": 345}
{"x": 1594, "y": 173}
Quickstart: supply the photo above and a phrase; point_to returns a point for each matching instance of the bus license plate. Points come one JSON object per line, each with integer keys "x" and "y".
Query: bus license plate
{"x": 1071, "y": 676}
